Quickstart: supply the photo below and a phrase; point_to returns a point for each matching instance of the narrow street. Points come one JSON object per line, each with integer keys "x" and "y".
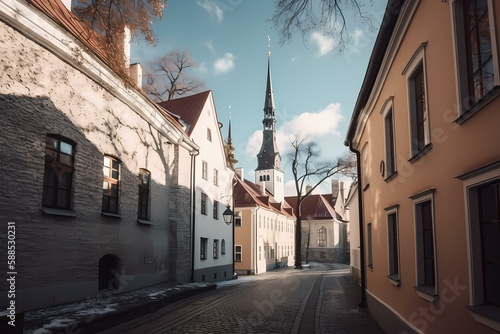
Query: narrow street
{"x": 319, "y": 299}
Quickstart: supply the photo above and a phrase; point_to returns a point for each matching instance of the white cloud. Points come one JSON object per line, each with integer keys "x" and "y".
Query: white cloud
{"x": 324, "y": 43}
{"x": 202, "y": 67}
{"x": 210, "y": 46}
{"x": 212, "y": 8}
{"x": 321, "y": 127}
{"x": 224, "y": 64}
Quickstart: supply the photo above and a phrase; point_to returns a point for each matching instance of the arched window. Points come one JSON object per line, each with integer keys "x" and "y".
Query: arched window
{"x": 223, "y": 247}
{"x": 268, "y": 178}
{"x": 322, "y": 236}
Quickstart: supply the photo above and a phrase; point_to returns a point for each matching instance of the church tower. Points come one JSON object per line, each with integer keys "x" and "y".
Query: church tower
{"x": 268, "y": 170}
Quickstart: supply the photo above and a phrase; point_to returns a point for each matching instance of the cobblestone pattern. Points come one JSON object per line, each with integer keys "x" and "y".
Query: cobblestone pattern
{"x": 40, "y": 95}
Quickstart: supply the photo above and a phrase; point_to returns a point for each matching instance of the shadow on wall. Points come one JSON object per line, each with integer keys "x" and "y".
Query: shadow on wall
{"x": 78, "y": 254}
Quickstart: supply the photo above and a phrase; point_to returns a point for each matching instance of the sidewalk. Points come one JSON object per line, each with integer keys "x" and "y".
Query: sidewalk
{"x": 93, "y": 315}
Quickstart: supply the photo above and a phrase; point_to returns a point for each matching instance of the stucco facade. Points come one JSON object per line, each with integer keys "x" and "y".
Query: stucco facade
{"x": 428, "y": 149}
{"x": 58, "y": 99}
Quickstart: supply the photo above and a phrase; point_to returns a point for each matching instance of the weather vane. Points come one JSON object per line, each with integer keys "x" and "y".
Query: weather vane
{"x": 269, "y": 45}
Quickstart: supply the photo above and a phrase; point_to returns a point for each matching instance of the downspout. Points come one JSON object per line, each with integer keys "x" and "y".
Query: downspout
{"x": 362, "y": 304}
{"x": 193, "y": 155}
{"x": 255, "y": 242}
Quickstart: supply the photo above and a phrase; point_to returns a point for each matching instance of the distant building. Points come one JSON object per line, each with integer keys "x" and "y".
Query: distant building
{"x": 264, "y": 222}
{"x": 426, "y": 129}
{"x": 352, "y": 215}
{"x": 91, "y": 169}
{"x": 212, "y": 187}
{"x": 325, "y": 227}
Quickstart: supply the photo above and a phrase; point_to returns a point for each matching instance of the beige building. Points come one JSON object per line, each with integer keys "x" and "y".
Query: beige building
{"x": 426, "y": 130}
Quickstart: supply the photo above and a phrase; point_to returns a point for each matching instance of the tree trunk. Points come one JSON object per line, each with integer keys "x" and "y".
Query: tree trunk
{"x": 298, "y": 241}
{"x": 308, "y": 243}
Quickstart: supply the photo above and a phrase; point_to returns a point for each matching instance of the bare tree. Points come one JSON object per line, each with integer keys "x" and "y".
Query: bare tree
{"x": 326, "y": 16}
{"x": 110, "y": 17}
{"x": 308, "y": 169}
{"x": 168, "y": 77}
{"x": 307, "y": 232}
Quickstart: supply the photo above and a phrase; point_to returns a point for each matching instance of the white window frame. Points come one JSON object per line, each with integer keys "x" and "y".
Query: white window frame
{"x": 204, "y": 170}
{"x": 471, "y": 183}
{"x": 203, "y": 248}
{"x": 417, "y": 60}
{"x": 236, "y": 253}
{"x": 394, "y": 277}
{"x": 427, "y": 292}
{"x": 465, "y": 110}
{"x": 216, "y": 177}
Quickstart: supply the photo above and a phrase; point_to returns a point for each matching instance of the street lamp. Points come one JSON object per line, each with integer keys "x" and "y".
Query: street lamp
{"x": 228, "y": 215}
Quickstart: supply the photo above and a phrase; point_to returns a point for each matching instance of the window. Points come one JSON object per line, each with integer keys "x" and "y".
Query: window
{"x": 425, "y": 252}
{"x": 322, "y": 236}
{"x": 260, "y": 253}
{"x": 203, "y": 248}
{"x": 418, "y": 104}
{"x": 393, "y": 244}
{"x": 482, "y": 201}
{"x": 216, "y": 210}
{"x": 390, "y": 148}
{"x": 477, "y": 54}
{"x": 216, "y": 177}
{"x": 204, "y": 170}
{"x": 209, "y": 134}
{"x": 223, "y": 247}
{"x": 58, "y": 174}
{"x": 237, "y": 253}
{"x": 237, "y": 221}
{"x": 216, "y": 248}
{"x": 110, "y": 184}
{"x": 369, "y": 248}
{"x": 203, "y": 204}
{"x": 365, "y": 180}
{"x": 144, "y": 184}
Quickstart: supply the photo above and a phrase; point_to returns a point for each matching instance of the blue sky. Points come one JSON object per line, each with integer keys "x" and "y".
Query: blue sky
{"x": 314, "y": 89}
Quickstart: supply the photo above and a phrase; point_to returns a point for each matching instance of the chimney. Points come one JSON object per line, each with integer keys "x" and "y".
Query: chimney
{"x": 136, "y": 74}
{"x": 263, "y": 187}
{"x": 67, "y": 4}
{"x": 342, "y": 191}
{"x": 239, "y": 173}
{"x": 335, "y": 187}
{"x": 308, "y": 188}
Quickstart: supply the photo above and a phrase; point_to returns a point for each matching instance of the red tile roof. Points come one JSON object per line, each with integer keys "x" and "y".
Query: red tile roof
{"x": 247, "y": 194}
{"x": 316, "y": 206}
{"x": 189, "y": 108}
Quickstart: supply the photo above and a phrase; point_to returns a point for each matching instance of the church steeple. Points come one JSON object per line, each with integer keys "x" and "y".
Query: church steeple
{"x": 269, "y": 159}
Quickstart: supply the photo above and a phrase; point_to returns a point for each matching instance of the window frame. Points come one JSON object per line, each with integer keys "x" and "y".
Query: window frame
{"x": 216, "y": 177}
{"x": 111, "y": 180}
{"x": 223, "y": 247}
{"x": 203, "y": 248}
{"x": 393, "y": 249}
{"x": 417, "y": 62}
{"x": 425, "y": 290}
{"x": 482, "y": 312}
{"x": 144, "y": 195}
{"x": 390, "y": 165}
{"x": 209, "y": 134}
{"x": 203, "y": 204}
{"x": 467, "y": 109}
{"x": 62, "y": 166}
{"x": 216, "y": 248}
{"x": 322, "y": 236}
{"x": 215, "y": 210}
{"x": 238, "y": 254}
{"x": 204, "y": 170}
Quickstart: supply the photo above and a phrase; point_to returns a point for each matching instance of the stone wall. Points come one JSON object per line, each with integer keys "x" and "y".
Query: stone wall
{"x": 39, "y": 95}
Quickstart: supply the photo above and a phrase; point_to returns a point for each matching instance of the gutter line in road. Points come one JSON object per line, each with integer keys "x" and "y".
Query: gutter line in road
{"x": 298, "y": 317}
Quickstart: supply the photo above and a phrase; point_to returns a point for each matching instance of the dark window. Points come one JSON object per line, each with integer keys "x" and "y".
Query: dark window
{"x": 203, "y": 248}
{"x": 203, "y": 204}
{"x": 237, "y": 253}
{"x": 489, "y": 213}
{"x": 209, "y": 134}
{"x": 223, "y": 247}
{"x": 424, "y": 211}
{"x": 479, "y": 49}
{"x": 392, "y": 227}
{"x": 110, "y": 185}
{"x": 389, "y": 144}
{"x": 237, "y": 221}
{"x": 58, "y": 175}
{"x": 216, "y": 249}
{"x": 322, "y": 236}
{"x": 144, "y": 185}
{"x": 369, "y": 242}
{"x": 420, "y": 106}
{"x": 216, "y": 210}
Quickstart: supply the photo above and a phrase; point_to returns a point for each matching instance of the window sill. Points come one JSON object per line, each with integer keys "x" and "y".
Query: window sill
{"x": 145, "y": 221}
{"x": 58, "y": 212}
{"x": 487, "y": 315}
{"x": 427, "y": 292}
{"x": 420, "y": 153}
{"x": 109, "y": 214}
{"x": 392, "y": 176}
{"x": 394, "y": 280}
{"x": 490, "y": 96}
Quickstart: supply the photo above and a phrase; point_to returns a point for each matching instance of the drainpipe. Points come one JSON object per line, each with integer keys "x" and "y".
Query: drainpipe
{"x": 193, "y": 155}
{"x": 362, "y": 304}
{"x": 256, "y": 271}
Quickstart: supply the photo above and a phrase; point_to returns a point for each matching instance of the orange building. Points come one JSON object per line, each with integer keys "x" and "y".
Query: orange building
{"x": 426, "y": 131}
